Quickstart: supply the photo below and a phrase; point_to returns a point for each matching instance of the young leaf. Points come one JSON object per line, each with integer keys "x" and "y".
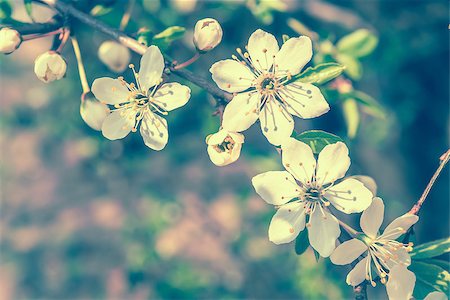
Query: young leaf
{"x": 431, "y": 249}
{"x": 372, "y": 105}
{"x": 301, "y": 242}
{"x": 358, "y": 44}
{"x": 351, "y": 116}
{"x": 285, "y": 38}
{"x": 5, "y": 9}
{"x": 29, "y": 8}
{"x": 319, "y": 74}
{"x": 352, "y": 65}
{"x": 144, "y": 36}
{"x": 100, "y": 10}
{"x": 317, "y": 139}
{"x": 429, "y": 278}
{"x": 166, "y": 37}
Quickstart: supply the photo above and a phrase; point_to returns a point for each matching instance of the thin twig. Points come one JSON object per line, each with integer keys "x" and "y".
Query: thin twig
{"x": 81, "y": 71}
{"x": 418, "y": 205}
{"x": 135, "y": 46}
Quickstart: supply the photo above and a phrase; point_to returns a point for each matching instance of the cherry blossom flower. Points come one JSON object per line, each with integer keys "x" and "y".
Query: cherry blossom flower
{"x": 260, "y": 77}
{"x": 224, "y": 147}
{"x": 142, "y": 103}
{"x": 385, "y": 257}
{"x": 92, "y": 111}
{"x": 305, "y": 191}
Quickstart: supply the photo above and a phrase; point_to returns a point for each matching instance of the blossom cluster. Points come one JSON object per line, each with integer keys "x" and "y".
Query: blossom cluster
{"x": 309, "y": 194}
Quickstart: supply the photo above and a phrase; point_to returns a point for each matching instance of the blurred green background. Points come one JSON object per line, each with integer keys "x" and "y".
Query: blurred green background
{"x": 85, "y": 217}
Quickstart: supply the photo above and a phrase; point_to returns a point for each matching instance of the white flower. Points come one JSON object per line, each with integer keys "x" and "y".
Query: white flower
{"x": 224, "y": 147}
{"x": 114, "y": 55}
{"x": 260, "y": 77}
{"x": 50, "y": 66}
{"x": 306, "y": 190}
{"x": 207, "y": 34}
{"x": 10, "y": 40}
{"x": 385, "y": 256}
{"x": 144, "y": 102}
{"x": 92, "y": 111}
{"x": 436, "y": 296}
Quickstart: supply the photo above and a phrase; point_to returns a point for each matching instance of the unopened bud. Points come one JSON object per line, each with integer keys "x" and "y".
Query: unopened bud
{"x": 50, "y": 66}
{"x": 114, "y": 55}
{"x": 207, "y": 34}
{"x": 10, "y": 40}
{"x": 92, "y": 111}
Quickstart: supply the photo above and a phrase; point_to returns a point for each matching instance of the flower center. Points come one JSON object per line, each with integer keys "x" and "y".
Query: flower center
{"x": 226, "y": 146}
{"x": 313, "y": 194}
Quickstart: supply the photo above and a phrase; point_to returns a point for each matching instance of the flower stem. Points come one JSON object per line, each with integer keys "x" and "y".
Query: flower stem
{"x": 30, "y": 37}
{"x": 127, "y": 15}
{"x": 348, "y": 228}
{"x": 418, "y": 205}
{"x": 188, "y": 62}
{"x": 81, "y": 70}
{"x": 64, "y": 38}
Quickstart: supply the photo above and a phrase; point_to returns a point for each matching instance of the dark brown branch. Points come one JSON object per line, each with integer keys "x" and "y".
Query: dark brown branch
{"x": 134, "y": 45}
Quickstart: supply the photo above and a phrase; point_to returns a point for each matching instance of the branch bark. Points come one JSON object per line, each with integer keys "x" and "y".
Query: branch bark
{"x": 135, "y": 46}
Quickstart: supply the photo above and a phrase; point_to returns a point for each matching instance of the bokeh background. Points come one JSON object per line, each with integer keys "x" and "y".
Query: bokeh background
{"x": 83, "y": 217}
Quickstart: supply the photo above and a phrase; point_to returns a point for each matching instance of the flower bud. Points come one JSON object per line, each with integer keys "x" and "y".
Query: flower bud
{"x": 224, "y": 147}
{"x": 207, "y": 34}
{"x": 92, "y": 111}
{"x": 50, "y": 66}
{"x": 114, "y": 55}
{"x": 10, "y": 40}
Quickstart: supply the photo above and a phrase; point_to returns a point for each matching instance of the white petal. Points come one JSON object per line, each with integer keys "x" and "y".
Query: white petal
{"x": 275, "y": 187}
{"x": 358, "y": 274}
{"x": 400, "y": 257}
{"x": 304, "y": 100}
{"x": 368, "y": 181}
{"x": 241, "y": 113}
{"x": 231, "y": 76}
{"x": 94, "y": 113}
{"x": 294, "y": 55}
{"x": 372, "y": 218}
{"x": 333, "y": 163}
{"x": 298, "y": 159}
{"x": 349, "y": 196}
{"x": 436, "y": 296}
{"x": 152, "y": 67}
{"x": 154, "y": 131}
{"x": 401, "y": 282}
{"x": 348, "y": 251}
{"x": 276, "y": 124}
{"x": 399, "y": 226}
{"x": 172, "y": 95}
{"x": 262, "y": 47}
{"x": 110, "y": 90}
{"x": 287, "y": 223}
{"x": 118, "y": 124}
{"x": 323, "y": 232}
{"x": 221, "y": 154}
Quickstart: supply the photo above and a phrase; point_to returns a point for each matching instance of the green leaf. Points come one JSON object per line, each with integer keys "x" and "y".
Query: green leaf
{"x": 319, "y": 74}
{"x": 144, "y": 36}
{"x": 166, "y": 37}
{"x": 372, "y": 106}
{"x": 352, "y": 65}
{"x": 29, "y": 8}
{"x": 358, "y": 44}
{"x": 100, "y": 10}
{"x": 318, "y": 139}
{"x": 429, "y": 278}
{"x": 301, "y": 242}
{"x": 431, "y": 249}
{"x": 5, "y": 9}
{"x": 351, "y": 116}
{"x": 440, "y": 263}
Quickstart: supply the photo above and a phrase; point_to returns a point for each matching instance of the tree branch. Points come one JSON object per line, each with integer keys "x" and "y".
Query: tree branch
{"x": 418, "y": 205}
{"x": 134, "y": 45}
